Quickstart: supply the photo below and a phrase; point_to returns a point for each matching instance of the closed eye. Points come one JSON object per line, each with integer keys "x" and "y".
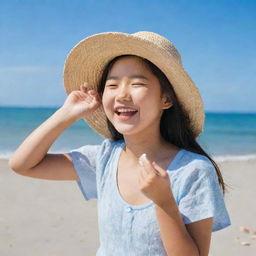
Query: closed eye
{"x": 116, "y": 84}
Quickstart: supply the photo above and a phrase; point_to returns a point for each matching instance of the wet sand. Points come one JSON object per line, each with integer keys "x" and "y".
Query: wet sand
{"x": 51, "y": 218}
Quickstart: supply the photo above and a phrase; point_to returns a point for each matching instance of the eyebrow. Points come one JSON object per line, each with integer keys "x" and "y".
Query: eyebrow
{"x": 134, "y": 76}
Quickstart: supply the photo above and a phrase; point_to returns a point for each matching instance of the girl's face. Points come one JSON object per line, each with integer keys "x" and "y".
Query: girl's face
{"x": 130, "y": 83}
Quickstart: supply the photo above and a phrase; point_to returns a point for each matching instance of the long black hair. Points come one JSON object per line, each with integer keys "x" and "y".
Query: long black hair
{"x": 175, "y": 125}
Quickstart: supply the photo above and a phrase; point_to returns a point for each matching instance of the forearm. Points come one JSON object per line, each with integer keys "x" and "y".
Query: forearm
{"x": 37, "y": 144}
{"x": 176, "y": 239}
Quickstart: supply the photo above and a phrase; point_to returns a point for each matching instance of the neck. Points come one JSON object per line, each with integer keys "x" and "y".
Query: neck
{"x": 155, "y": 147}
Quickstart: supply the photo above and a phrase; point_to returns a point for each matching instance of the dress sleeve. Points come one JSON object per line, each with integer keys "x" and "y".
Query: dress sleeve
{"x": 200, "y": 195}
{"x": 84, "y": 161}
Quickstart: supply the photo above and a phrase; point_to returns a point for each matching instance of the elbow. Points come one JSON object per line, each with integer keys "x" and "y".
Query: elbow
{"x": 14, "y": 167}
{"x": 11, "y": 164}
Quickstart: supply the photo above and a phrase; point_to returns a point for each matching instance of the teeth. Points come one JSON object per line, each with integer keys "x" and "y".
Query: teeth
{"x": 126, "y": 110}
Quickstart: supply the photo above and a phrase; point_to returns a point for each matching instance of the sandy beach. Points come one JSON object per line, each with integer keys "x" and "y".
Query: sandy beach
{"x": 51, "y": 218}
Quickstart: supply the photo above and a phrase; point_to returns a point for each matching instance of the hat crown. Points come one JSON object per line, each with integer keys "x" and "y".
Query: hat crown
{"x": 160, "y": 41}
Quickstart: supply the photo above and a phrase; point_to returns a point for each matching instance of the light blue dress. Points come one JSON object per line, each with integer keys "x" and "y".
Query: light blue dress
{"x": 126, "y": 229}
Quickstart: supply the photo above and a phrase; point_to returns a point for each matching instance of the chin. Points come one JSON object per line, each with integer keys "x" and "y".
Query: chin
{"x": 127, "y": 131}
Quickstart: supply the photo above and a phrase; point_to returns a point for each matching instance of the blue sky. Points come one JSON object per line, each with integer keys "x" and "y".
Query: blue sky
{"x": 216, "y": 40}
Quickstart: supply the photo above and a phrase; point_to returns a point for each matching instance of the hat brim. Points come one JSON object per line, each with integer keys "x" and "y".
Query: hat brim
{"x": 87, "y": 59}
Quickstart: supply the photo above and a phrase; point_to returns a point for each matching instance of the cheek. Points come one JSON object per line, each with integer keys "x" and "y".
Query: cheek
{"x": 148, "y": 103}
{"x": 150, "y": 112}
{"x": 103, "y": 100}
{"x": 107, "y": 103}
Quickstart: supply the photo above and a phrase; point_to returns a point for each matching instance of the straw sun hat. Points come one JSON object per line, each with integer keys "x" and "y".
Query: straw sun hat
{"x": 87, "y": 59}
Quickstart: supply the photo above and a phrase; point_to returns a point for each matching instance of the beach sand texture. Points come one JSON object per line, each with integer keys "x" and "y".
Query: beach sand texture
{"x": 51, "y": 218}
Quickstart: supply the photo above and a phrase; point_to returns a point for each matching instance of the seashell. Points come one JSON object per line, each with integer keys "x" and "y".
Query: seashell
{"x": 245, "y": 243}
{"x": 253, "y": 236}
{"x": 244, "y": 229}
{"x": 143, "y": 156}
{"x": 142, "y": 159}
{"x": 254, "y": 232}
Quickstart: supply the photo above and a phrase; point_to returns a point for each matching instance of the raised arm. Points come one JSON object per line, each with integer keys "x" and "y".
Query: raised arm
{"x": 31, "y": 157}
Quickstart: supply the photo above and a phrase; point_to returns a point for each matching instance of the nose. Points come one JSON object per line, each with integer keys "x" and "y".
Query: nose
{"x": 123, "y": 93}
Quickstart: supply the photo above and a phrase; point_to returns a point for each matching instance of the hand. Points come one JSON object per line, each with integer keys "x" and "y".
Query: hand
{"x": 80, "y": 103}
{"x": 154, "y": 181}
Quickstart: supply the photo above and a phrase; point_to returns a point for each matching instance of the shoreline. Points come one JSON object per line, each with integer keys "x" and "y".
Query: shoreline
{"x": 52, "y": 217}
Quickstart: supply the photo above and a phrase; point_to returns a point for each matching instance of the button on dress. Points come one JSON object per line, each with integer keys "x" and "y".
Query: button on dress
{"x": 132, "y": 230}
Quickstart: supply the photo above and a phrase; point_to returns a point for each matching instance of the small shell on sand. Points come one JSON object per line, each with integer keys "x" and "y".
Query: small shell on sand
{"x": 244, "y": 229}
{"x": 245, "y": 243}
{"x": 253, "y": 236}
{"x": 254, "y": 232}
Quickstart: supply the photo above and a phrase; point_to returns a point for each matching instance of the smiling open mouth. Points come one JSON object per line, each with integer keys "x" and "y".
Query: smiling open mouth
{"x": 126, "y": 115}
{"x": 130, "y": 113}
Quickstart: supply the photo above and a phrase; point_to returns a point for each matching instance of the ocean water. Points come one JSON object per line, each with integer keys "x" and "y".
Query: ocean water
{"x": 226, "y": 136}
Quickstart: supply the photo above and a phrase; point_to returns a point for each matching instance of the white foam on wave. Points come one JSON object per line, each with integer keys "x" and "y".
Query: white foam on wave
{"x": 226, "y": 158}
{"x": 5, "y": 155}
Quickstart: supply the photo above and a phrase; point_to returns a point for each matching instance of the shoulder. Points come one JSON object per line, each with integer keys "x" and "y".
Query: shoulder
{"x": 192, "y": 167}
{"x": 193, "y": 158}
{"x": 191, "y": 161}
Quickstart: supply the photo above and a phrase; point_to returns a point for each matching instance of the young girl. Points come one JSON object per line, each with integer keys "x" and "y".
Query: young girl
{"x": 158, "y": 192}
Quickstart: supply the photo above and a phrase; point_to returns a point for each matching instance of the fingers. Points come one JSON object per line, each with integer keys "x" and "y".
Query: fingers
{"x": 92, "y": 92}
{"x": 91, "y": 95}
{"x": 84, "y": 88}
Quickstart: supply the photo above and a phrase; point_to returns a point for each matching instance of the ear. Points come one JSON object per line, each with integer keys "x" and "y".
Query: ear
{"x": 166, "y": 102}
